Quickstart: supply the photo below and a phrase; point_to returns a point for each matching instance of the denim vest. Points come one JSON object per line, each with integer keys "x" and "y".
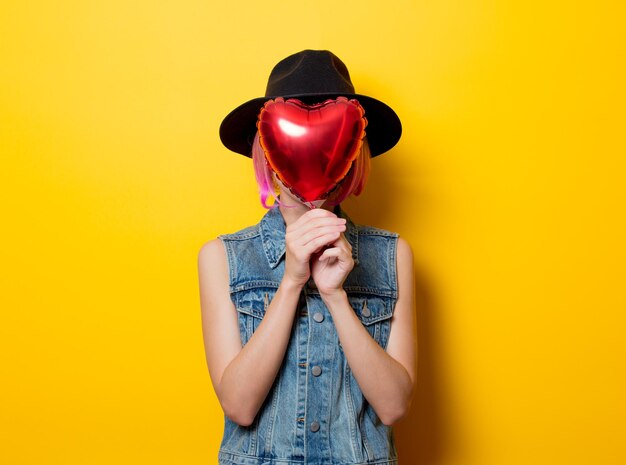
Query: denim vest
{"x": 315, "y": 412}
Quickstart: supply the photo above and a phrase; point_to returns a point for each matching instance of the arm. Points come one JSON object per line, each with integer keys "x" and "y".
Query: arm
{"x": 229, "y": 363}
{"x": 243, "y": 376}
{"x": 387, "y": 379}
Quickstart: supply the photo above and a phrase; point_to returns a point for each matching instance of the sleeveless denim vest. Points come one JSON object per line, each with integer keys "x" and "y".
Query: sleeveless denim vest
{"x": 315, "y": 412}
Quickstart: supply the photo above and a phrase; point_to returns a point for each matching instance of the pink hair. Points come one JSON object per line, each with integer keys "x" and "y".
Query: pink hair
{"x": 352, "y": 184}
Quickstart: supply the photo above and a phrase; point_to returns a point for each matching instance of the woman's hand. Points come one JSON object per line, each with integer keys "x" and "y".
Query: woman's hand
{"x": 307, "y": 235}
{"x": 331, "y": 267}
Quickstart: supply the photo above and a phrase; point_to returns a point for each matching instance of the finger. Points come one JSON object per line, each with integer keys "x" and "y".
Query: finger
{"x": 317, "y": 232}
{"x": 316, "y": 244}
{"x": 343, "y": 243}
{"x": 315, "y": 213}
{"x": 328, "y": 253}
{"x": 302, "y": 237}
{"x": 337, "y": 252}
{"x": 302, "y": 225}
{"x": 319, "y": 211}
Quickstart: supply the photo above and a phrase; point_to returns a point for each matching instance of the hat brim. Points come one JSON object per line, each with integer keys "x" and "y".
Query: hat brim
{"x": 383, "y": 129}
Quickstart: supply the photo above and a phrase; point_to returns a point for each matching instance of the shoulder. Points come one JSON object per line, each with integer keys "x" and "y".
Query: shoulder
{"x": 404, "y": 262}
{"x": 404, "y": 250}
{"x": 367, "y": 230}
{"x": 210, "y": 249}
{"x": 403, "y": 247}
{"x": 216, "y": 246}
{"x": 242, "y": 234}
{"x": 215, "y": 250}
{"x": 211, "y": 255}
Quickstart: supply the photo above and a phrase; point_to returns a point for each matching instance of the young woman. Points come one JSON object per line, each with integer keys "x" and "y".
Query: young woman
{"x": 308, "y": 318}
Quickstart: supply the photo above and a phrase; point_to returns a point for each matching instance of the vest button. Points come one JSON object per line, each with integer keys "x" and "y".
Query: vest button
{"x": 316, "y": 370}
{"x": 315, "y": 426}
{"x": 319, "y": 317}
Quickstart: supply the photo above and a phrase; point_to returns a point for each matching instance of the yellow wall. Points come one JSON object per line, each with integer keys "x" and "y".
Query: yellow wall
{"x": 508, "y": 182}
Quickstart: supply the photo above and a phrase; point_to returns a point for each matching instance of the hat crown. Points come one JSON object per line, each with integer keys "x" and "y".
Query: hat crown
{"x": 311, "y": 76}
{"x": 309, "y": 72}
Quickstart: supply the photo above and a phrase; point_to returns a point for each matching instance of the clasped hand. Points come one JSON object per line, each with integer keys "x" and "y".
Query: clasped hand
{"x": 316, "y": 247}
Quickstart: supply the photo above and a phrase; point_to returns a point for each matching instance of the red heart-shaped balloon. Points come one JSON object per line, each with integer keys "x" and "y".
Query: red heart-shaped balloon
{"x": 311, "y": 147}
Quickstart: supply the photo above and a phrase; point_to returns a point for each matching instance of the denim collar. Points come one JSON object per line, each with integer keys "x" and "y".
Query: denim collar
{"x": 273, "y": 229}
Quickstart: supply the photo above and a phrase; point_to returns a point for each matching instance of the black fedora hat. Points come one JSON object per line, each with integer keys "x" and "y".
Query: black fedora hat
{"x": 311, "y": 76}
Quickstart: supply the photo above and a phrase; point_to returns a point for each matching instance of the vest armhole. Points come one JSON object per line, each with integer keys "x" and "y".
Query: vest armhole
{"x": 393, "y": 269}
{"x": 229, "y": 262}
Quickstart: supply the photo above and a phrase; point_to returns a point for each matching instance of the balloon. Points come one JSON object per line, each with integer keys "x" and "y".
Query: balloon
{"x": 311, "y": 148}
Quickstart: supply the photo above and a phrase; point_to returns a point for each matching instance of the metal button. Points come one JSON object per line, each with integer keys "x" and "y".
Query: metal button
{"x": 365, "y": 311}
{"x": 319, "y": 317}
{"x": 316, "y": 370}
{"x": 315, "y": 426}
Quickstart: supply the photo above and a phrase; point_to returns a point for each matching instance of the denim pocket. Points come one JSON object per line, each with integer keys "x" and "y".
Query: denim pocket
{"x": 368, "y": 434}
{"x": 375, "y": 313}
{"x": 251, "y": 306}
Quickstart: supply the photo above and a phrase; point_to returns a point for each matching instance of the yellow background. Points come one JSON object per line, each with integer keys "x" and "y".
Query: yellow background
{"x": 508, "y": 182}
